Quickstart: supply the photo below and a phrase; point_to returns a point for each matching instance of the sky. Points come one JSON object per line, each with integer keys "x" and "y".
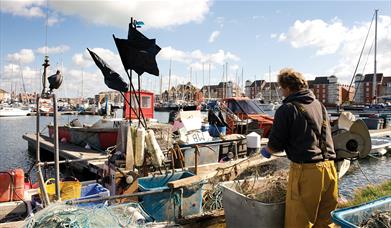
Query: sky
{"x": 317, "y": 38}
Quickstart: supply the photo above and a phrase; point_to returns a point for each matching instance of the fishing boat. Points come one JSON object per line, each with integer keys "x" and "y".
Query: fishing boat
{"x": 247, "y": 116}
{"x": 175, "y": 106}
{"x": 380, "y": 145}
{"x": 104, "y": 132}
{"x": 12, "y": 111}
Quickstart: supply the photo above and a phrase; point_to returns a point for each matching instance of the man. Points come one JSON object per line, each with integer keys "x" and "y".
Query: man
{"x": 301, "y": 128}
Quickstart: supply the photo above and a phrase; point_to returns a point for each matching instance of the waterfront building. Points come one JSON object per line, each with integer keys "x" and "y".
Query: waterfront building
{"x": 271, "y": 92}
{"x": 222, "y": 90}
{"x": 113, "y": 97}
{"x": 185, "y": 92}
{"x": 252, "y": 89}
{"x": 363, "y": 84}
{"x": 4, "y": 96}
{"x": 328, "y": 91}
{"x": 385, "y": 90}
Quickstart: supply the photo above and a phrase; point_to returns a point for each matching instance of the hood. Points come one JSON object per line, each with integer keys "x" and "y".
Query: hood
{"x": 302, "y": 96}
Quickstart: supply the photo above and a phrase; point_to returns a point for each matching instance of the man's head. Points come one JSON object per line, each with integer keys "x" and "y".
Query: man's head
{"x": 291, "y": 81}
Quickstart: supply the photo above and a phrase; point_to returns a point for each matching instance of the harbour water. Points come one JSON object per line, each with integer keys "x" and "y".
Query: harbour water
{"x": 14, "y": 153}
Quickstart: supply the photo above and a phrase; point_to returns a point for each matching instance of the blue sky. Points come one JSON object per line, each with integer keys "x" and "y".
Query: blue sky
{"x": 318, "y": 38}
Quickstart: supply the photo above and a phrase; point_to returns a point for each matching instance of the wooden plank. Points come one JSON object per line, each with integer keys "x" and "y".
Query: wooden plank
{"x": 68, "y": 151}
{"x": 380, "y": 132}
{"x": 18, "y": 224}
{"x": 209, "y": 171}
{"x": 12, "y": 208}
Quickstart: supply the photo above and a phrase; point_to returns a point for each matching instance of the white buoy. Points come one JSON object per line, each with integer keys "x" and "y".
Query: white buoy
{"x": 139, "y": 147}
{"x": 154, "y": 149}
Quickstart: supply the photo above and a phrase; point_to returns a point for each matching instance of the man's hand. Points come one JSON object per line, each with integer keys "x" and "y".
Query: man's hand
{"x": 265, "y": 152}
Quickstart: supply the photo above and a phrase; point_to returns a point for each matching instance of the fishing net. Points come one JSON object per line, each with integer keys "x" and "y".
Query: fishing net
{"x": 163, "y": 134}
{"x": 379, "y": 219}
{"x": 61, "y": 215}
{"x": 271, "y": 188}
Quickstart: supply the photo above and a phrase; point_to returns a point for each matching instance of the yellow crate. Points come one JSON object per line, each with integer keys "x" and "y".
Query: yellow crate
{"x": 68, "y": 189}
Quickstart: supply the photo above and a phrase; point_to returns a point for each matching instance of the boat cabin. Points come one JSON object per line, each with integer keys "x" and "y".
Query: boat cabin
{"x": 252, "y": 117}
{"x": 147, "y": 105}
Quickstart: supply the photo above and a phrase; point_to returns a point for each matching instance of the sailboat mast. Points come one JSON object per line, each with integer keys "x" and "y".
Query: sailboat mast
{"x": 209, "y": 82}
{"x": 169, "y": 80}
{"x": 270, "y": 81}
{"x": 374, "y": 84}
{"x": 242, "y": 86}
{"x": 161, "y": 84}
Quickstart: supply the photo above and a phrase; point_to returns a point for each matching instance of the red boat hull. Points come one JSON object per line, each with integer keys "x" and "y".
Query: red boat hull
{"x": 96, "y": 138}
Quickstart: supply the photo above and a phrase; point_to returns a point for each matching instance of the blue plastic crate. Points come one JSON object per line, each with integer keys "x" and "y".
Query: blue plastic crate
{"x": 352, "y": 217}
{"x": 93, "y": 191}
{"x": 165, "y": 206}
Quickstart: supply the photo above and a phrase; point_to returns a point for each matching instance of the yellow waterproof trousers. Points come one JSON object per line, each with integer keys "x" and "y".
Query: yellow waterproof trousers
{"x": 311, "y": 195}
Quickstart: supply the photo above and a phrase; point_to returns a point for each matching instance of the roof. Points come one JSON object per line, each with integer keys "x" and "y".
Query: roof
{"x": 3, "y": 91}
{"x": 257, "y": 83}
{"x": 211, "y": 87}
{"x": 369, "y": 77}
{"x": 321, "y": 80}
{"x": 386, "y": 80}
{"x": 274, "y": 85}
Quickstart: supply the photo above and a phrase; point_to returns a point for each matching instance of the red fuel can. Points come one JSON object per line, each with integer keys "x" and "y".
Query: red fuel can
{"x": 11, "y": 185}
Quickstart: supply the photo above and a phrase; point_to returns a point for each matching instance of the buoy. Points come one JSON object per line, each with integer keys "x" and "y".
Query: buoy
{"x": 154, "y": 149}
{"x": 139, "y": 147}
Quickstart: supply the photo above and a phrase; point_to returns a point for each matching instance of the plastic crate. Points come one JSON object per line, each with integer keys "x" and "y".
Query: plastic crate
{"x": 352, "y": 217}
{"x": 217, "y": 131}
{"x": 242, "y": 211}
{"x": 165, "y": 206}
{"x": 208, "y": 154}
{"x": 92, "y": 191}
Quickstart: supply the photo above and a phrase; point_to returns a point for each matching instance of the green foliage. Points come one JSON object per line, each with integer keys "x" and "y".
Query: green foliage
{"x": 368, "y": 193}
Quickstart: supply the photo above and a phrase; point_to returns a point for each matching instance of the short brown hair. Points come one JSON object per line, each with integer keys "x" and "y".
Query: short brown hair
{"x": 292, "y": 79}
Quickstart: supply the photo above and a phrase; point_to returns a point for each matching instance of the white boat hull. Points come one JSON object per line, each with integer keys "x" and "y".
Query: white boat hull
{"x": 8, "y": 112}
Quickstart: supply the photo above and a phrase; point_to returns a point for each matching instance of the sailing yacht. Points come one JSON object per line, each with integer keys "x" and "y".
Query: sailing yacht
{"x": 13, "y": 111}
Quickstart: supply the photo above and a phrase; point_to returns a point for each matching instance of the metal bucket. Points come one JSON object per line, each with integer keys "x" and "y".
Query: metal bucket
{"x": 241, "y": 211}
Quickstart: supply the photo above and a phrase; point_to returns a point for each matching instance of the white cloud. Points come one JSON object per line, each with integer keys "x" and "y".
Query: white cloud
{"x": 155, "y": 14}
{"x": 327, "y": 37}
{"x": 345, "y": 43}
{"x": 257, "y": 36}
{"x": 25, "y": 8}
{"x": 213, "y": 36}
{"x": 165, "y": 13}
{"x": 273, "y": 35}
{"x": 24, "y": 56}
{"x": 52, "y": 50}
{"x": 169, "y": 52}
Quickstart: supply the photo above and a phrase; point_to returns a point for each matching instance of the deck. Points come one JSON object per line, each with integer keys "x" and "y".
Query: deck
{"x": 68, "y": 151}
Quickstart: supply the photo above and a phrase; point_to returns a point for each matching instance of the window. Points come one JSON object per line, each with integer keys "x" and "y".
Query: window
{"x": 145, "y": 102}
{"x": 367, "y": 89}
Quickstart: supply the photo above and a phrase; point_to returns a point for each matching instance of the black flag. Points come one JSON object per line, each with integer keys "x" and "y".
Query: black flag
{"x": 112, "y": 79}
{"x": 139, "y": 60}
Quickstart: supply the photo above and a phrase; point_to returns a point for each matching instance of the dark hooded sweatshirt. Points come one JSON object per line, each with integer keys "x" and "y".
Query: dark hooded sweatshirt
{"x": 291, "y": 132}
